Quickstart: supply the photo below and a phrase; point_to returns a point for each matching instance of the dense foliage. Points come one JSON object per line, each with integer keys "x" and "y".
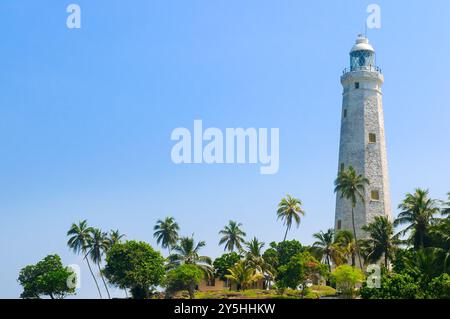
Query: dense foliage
{"x": 184, "y": 277}
{"x": 47, "y": 278}
{"x": 134, "y": 265}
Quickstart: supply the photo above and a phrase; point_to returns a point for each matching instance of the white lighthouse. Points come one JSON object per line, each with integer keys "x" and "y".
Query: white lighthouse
{"x": 362, "y": 142}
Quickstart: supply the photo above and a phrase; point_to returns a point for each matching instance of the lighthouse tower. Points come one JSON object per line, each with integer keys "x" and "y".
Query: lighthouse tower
{"x": 362, "y": 143}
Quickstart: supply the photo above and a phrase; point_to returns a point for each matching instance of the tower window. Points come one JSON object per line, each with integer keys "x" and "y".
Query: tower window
{"x": 375, "y": 195}
{"x": 339, "y": 224}
{"x": 372, "y": 138}
{"x": 342, "y": 166}
{"x": 345, "y": 113}
{"x": 356, "y": 85}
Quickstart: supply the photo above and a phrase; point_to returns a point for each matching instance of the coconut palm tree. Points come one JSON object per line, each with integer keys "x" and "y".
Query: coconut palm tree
{"x": 289, "y": 211}
{"x": 446, "y": 209}
{"x": 347, "y": 246}
{"x": 233, "y": 236}
{"x": 324, "y": 245}
{"x": 254, "y": 257}
{"x": 79, "y": 242}
{"x": 97, "y": 247}
{"x": 440, "y": 234}
{"x": 166, "y": 233}
{"x": 418, "y": 211}
{"x": 243, "y": 275}
{"x": 351, "y": 186}
{"x": 187, "y": 252}
{"x": 381, "y": 241}
{"x": 115, "y": 237}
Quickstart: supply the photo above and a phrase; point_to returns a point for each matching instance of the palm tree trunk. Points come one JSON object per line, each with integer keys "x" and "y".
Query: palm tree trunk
{"x": 385, "y": 260}
{"x": 356, "y": 239}
{"x": 285, "y": 234}
{"x": 329, "y": 263}
{"x": 92, "y": 273}
{"x": 104, "y": 282}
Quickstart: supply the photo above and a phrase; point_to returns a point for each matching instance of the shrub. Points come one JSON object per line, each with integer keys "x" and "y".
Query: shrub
{"x": 347, "y": 278}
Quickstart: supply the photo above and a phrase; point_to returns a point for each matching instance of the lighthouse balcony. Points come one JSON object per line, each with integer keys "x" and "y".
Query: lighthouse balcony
{"x": 368, "y": 68}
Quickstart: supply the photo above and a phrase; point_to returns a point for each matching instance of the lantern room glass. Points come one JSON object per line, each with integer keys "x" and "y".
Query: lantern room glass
{"x": 362, "y": 60}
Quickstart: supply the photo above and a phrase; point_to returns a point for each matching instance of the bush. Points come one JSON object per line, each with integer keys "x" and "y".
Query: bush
{"x": 439, "y": 288}
{"x": 393, "y": 286}
{"x": 347, "y": 278}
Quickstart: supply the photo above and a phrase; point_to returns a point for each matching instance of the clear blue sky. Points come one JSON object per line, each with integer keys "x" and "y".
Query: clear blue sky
{"x": 86, "y": 115}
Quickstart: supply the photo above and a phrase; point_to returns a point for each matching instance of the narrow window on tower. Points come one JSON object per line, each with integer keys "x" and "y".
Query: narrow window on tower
{"x": 375, "y": 195}
{"x": 345, "y": 113}
{"x": 372, "y": 138}
{"x": 356, "y": 85}
{"x": 339, "y": 224}
{"x": 342, "y": 167}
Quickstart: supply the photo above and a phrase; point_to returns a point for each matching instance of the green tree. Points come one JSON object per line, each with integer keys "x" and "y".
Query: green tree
{"x": 243, "y": 275}
{"x": 418, "y": 212}
{"x": 79, "y": 242}
{"x": 280, "y": 254}
{"x": 299, "y": 271}
{"x": 187, "y": 252}
{"x": 166, "y": 233}
{"x": 381, "y": 242}
{"x": 439, "y": 288}
{"x": 47, "y": 278}
{"x": 392, "y": 286}
{"x": 324, "y": 245}
{"x": 233, "y": 236}
{"x": 347, "y": 278}
{"x": 134, "y": 265}
{"x": 223, "y": 263}
{"x": 98, "y": 245}
{"x": 289, "y": 211}
{"x": 351, "y": 186}
{"x": 183, "y": 277}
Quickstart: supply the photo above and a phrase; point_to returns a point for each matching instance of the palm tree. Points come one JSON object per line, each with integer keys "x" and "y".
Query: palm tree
{"x": 446, "y": 210}
{"x": 187, "y": 252}
{"x": 166, "y": 233}
{"x": 99, "y": 244}
{"x": 290, "y": 210}
{"x": 441, "y": 239}
{"x": 418, "y": 214}
{"x": 115, "y": 237}
{"x": 348, "y": 247}
{"x": 324, "y": 245}
{"x": 254, "y": 257}
{"x": 381, "y": 241}
{"x": 79, "y": 241}
{"x": 352, "y": 187}
{"x": 233, "y": 236}
{"x": 243, "y": 275}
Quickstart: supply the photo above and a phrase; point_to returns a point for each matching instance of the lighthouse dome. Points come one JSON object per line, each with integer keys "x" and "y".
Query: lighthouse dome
{"x": 362, "y": 44}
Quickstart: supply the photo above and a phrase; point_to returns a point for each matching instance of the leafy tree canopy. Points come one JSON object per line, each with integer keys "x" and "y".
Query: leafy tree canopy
{"x": 184, "y": 277}
{"x": 225, "y": 262}
{"x": 47, "y": 278}
{"x": 302, "y": 268}
{"x": 134, "y": 265}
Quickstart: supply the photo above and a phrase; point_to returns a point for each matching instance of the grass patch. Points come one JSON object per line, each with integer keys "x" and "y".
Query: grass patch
{"x": 313, "y": 292}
